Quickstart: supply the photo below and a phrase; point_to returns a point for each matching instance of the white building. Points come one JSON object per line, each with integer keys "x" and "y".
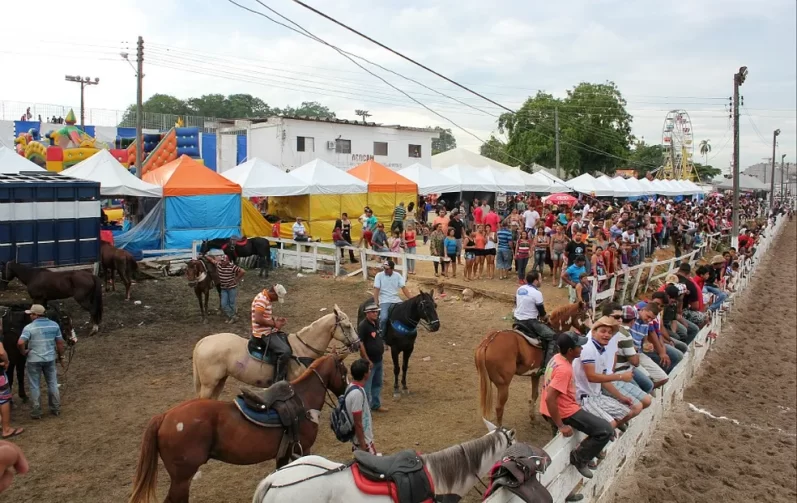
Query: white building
{"x": 290, "y": 142}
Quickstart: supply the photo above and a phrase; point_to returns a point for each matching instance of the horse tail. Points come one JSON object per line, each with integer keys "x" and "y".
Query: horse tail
{"x": 262, "y": 489}
{"x": 485, "y": 386}
{"x": 96, "y": 304}
{"x": 132, "y": 265}
{"x": 195, "y": 370}
{"x": 145, "y": 483}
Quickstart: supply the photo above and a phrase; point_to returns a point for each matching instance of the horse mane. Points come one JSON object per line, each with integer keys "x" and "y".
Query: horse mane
{"x": 308, "y": 372}
{"x": 454, "y": 465}
{"x": 312, "y": 325}
{"x": 567, "y": 309}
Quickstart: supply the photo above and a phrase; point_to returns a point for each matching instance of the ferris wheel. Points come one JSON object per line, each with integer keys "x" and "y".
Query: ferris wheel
{"x": 677, "y": 138}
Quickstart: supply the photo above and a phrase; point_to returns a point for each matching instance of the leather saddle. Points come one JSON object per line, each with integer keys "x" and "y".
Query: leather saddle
{"x": 279, "y": 400}
{"x": 402, "y": 476}
{"x": 517, "y": 472}
{"x": 239, "y": 240}
{"x": 529, "y": 335}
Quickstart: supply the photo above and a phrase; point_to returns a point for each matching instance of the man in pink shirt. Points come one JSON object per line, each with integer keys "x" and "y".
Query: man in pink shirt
{"x": 478, "y": 213}
{"x": 492, "y": 219}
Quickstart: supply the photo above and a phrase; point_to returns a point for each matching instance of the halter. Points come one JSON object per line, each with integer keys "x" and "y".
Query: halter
{"x": 202, "y": 276}
{"x": 325, "y": 352}
{"x": 498, "y": 430}
{"x": 423, "y": 322}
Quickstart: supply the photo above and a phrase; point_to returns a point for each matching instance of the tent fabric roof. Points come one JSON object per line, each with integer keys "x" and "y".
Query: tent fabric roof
{"x": 185, "y": 176}
{"x": 461, "y": 156}
{"x": 621, "y": 188}
{"x": 469, "y": 178}
{"x": 587, "y": 184}
{"x": 114, "y": 179}
{"x": 746, "y": 182}
{"x": 380, "y": 178}
{"x": 258, "y": 178}
{"x": 13, "y": 163}
{"x": 504, "y": 180}
{"x": 535, "y": 182}
{"x": 636, "y": 187}
{"x": 557, "y": 184}
{"x": 429, "y": 181}
{"x": 324, "y": 178}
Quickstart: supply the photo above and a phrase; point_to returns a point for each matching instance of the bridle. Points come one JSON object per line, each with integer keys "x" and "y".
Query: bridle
{"x": 201, "y": 276}
{"x": 499, "y": 430}
{"x": 334, "y": 329}
{"x": 423, "y": 307}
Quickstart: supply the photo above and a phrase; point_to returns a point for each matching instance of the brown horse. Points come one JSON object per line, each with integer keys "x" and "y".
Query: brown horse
{"x": 190, "y": 434}
{"x": 45, "y": 285}
{"x": 504, "y": 354}
{"x": 115, "y": 260}
{"x": 202, "y": 275}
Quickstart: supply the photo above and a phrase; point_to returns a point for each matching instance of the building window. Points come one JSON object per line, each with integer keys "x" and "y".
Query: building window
{"x": 342, "y": 146}
{"x": 305, "y": 144}
{"x": 380, "y": 148}
{"x": 415, "y": 151}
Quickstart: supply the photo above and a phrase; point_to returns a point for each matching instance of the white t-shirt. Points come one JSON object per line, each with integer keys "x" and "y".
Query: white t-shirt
{"x": 298, "y": 230}
{"x": 629, "y": 237}
{"x": 585, "y": 211}
{"x": 590, "y": 353}
{"x": 357, "y": 402}
{"x": 526, "y": 300}
{"x": 531, "y": 217}
{"x": 389, "y": 287}
{"x": 611, "y": 350}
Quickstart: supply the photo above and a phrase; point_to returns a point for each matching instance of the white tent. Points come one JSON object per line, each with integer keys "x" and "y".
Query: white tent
{"x": 663, "y": 188}
{"x": 587, "y": 184}
{"x": 324, "y": 178}
{"x": 636, "y": 186}
{"x": 461, "y": 156}
{"x": 557, "y": 184}
{"x": 504, "y": 180}
{"x": 647, "y": 186}
{"x": 695, "y": 188}
{"x": 113, "y": 178}
{"x": 746, "y": 182}
{"x": 258, "y": 178}
{"x": 621, "y": 188}
{"x": 682, "y": 187}
{"x": 536, "y": 182}
{"x": 469, "y": 178}
{"x": 13, "y": 163}
{"x": 429, "y": 181}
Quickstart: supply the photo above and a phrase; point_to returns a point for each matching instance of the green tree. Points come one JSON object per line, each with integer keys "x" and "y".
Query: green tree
{"x": 308, "y": 109}
{"x": 444, "y": 142}
{"x": 495, "y": 149}
{"x": 706, "y": 173}
{"x": 644, "y": 157}
{"x": 594, "y": 129}
{"x": 705, "y": 148}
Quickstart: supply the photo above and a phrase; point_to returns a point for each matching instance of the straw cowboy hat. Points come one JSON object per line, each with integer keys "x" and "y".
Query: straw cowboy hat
{"x": 607, "y": 321}
{"x": 717, "y": 259}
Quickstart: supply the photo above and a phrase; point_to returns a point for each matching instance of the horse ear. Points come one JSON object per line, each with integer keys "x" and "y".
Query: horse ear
{"x": 336, "y": 308}
{"x": 490, "y": 426}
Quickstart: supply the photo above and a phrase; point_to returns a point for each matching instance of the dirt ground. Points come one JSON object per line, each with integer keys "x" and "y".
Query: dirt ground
{"x": 749, "y": 377}
{"x": 141, "y": 365}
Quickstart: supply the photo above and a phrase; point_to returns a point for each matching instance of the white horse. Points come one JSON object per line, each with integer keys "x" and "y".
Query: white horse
{"x": 453, "y": 471}
{"x": 219, "y": 356}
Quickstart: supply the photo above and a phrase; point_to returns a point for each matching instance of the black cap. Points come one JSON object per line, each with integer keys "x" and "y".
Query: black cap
{"x": 569, "y": 340}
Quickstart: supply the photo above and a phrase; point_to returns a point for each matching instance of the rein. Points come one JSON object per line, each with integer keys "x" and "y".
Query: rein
{"x": 318, "y": 351}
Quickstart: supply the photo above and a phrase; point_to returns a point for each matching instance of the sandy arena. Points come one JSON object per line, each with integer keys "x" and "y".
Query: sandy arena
{"x": 749, "y": 376}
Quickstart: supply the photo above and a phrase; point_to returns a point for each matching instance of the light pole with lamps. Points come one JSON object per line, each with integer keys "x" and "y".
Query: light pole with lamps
{"x": 84, "y": 81}
{"x": 775, "y": 134}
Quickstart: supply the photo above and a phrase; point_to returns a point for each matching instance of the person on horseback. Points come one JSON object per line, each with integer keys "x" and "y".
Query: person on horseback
{"x": 530, "y": 314}
{"x": 387, "y": 286}
{"x": 267, "y": 334}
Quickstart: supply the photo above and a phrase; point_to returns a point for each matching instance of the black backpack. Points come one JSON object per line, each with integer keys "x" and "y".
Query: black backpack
{"x": 340, "y": 420}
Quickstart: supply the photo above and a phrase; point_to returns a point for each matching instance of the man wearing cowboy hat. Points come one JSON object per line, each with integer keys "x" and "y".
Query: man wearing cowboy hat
{"x": 267, "y": 331}
{"x": 387, "y": 285}
{"x": 372, "y": 349}
{"x": 717, "y": 265}
{"x": 41, "y": 341}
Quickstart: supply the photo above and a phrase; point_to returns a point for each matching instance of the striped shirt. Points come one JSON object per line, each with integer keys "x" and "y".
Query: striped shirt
{"x": 399, "y": 214}
{"x": 227, "y": 274}
{"x": 639, "y": 330}
{"x": 262, "y": 304}
{"x": 504, "y": 237}
{"x": 625, "y": 350}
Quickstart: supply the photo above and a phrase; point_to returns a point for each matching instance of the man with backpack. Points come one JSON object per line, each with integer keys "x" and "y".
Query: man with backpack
{"x": 351, "y": 419}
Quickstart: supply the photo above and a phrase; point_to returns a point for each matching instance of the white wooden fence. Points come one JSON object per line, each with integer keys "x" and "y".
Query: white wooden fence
{"x": 562, "y": 479}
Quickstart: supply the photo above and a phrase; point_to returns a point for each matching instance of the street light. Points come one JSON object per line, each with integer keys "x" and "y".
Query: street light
{"x": 83, "y": 81}
{"x": 775, "y": 135}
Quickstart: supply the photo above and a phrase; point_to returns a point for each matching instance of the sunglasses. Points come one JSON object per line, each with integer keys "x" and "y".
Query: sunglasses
{"x": 617, "y": 316}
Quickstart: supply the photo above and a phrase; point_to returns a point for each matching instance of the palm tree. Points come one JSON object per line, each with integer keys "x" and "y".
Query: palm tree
{"x": 705, "y": 148}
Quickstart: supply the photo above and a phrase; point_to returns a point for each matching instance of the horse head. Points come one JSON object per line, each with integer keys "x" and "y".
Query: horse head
{"x": 204, "y": 247}
{"x": 195, "y": 272}
{"x": 64, "y": 321}
{"x": 583, "y": 320}
{"x": 332, "y": 372}
{"x": 345, "y": 331}
{"x": 427, "y": 309}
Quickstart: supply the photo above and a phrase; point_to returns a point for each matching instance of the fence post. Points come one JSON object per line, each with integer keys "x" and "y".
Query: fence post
{"x": 593, "y": 297}
{"x": 404, "y": 263}
{"x": 364, "y": 262}
{"x": 315, "y": 257}
{"x": 299, "y": 257}
{"x": 637, "y": 279}
{"x": 651, "y": 273}
{"x": 337, "y": 264}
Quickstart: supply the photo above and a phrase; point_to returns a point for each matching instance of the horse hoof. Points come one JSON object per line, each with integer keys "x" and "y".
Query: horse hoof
{"x": 204, "y": 321}
{"x": 405, "y": 391}
{"x": 396, "y": 394}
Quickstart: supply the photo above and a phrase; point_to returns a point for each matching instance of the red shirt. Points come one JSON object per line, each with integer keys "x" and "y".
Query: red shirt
{"x": 409, "y": 238}
{"x": 492, "y": 219}
{"x": 744, "y": 241}
{"x": 275, "y": 230}
{"x": 549, "y": 220}
{"x": 478, "y": 215}
{"x": 698, "y": 281}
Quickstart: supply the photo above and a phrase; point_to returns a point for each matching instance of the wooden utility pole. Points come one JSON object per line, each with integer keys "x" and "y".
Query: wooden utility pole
{"x": 556, "y": 128}
{"x": 775, "y": 134}
{"x": 782, "y": 159}
{"x": 139, "y": 107}
{"x": 738, "y": 80}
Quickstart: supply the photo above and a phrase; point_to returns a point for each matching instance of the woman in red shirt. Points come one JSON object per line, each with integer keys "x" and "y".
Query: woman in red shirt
{"x": 411, "y": 245}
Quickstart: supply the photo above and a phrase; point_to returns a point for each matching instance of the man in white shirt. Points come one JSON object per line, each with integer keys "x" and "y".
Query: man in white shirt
{"x": 531, "y": 216}
{"x": 387, "y": 285}
{"x": 590, "y": 375}
{"x": 529, "y": 313}
{"x": 299, "y": 231}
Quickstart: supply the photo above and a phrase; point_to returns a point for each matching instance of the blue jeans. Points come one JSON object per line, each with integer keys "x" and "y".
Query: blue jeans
{"x": 643, "y": 381}
{"x": 687, "y": 333}
{"x": 384, "y": 310}
{"x": 718, "y": 294}
{"x": 539, "y": 260}
{"x": 674, "y": 355}
{"x": 34, "y": 371}
{"x": 411, "y": 261}
{"x": 520, "y": 265}
{"x": 373, "y": 388}
{"x": 228, "y": 296}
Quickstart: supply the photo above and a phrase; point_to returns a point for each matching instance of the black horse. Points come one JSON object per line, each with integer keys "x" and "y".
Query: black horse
{"x": 402, "y": 330}
{"x": 246, "y": 247}
{"x": 12, "y": 320}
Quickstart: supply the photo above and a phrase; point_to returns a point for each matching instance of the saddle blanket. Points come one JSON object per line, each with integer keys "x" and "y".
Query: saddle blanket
{"x": 269, "y": 418}
{"x": 402, "y": 329}
{"x": 385, "y": 488}
{"x": 260, "y": 356}
{"x": 531, "y": 340}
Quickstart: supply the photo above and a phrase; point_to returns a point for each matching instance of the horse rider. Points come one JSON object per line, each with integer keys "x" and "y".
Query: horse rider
{"x": 267, "y": 331}
{"x": 387, "y": 286}
{"x": 530, "y": 314}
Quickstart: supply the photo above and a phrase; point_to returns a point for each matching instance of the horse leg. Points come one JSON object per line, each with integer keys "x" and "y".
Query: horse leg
{"x": 394, "y": 352}
{"x": 404, "y": 367}
{"x": 105, "y": 274}
{"x": 218, "y": 388}
{"x": 535, "y": 392}
{"x": 503, "y": 396}
{"x": 198, "y": 293}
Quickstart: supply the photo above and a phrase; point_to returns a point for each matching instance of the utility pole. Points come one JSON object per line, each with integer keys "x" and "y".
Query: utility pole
{"x": 83, "y": 81}
{"x": 738, "y": 80}
{"x": 139, "y": 106}
{"x": 556, "y": 128}
{"x": 775, "y": 134}
{"x": 782, "y": 159}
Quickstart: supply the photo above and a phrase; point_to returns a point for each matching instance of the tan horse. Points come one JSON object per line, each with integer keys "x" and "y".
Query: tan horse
{"x": 219, "y": 356}
{"x": 504, "y": 354}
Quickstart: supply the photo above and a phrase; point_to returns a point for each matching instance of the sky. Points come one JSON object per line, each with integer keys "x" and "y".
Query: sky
{"x": 663, "y": 56}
